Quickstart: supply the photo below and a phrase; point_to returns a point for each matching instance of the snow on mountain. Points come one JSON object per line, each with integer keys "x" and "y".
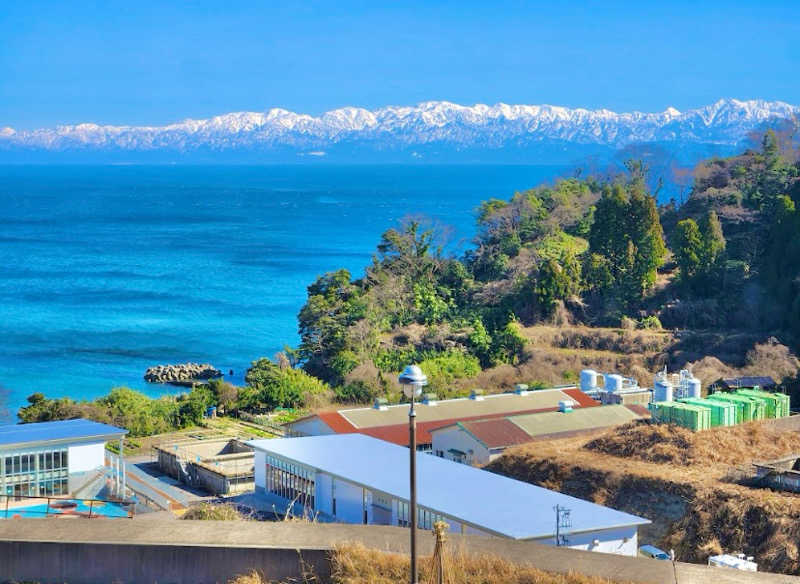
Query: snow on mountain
{"x": 725, "y": 122}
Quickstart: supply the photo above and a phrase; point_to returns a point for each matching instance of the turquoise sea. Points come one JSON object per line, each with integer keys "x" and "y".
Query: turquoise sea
{"x": 106, "y": 270}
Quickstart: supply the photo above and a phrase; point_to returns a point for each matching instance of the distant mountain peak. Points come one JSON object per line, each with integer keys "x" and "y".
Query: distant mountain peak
{"x": 440, "y": 125}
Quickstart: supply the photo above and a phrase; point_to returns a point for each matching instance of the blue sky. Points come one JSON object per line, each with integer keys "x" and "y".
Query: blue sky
{"x": 155, "y": 62}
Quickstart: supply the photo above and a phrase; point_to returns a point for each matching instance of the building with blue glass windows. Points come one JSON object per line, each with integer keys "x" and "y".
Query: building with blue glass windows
{"x": 52, "y": 458}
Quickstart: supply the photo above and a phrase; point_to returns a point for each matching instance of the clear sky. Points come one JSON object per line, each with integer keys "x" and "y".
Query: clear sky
{"x": 144, "y": 62}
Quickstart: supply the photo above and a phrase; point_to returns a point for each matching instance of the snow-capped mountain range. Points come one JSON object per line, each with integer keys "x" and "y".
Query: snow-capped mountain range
{"x": 411, "y": 131}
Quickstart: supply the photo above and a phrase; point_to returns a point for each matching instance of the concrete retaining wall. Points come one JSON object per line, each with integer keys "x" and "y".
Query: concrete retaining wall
{"x": 81, "y": 563}
{"x": 102, "y": 551}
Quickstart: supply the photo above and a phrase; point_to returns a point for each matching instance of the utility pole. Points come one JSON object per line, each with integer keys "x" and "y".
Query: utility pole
{"x": 413, "y": 379}
{"x": 563, "y": 523}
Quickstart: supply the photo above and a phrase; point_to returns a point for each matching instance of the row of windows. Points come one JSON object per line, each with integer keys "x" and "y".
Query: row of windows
{"x": 290, "y": 481}
{"x": 44, "y": 488}
{"x": 425, "y": 518}
{"x": 296, "y": 483}
{"x": 17, "y": 464}
{"x": 34, "y": 474}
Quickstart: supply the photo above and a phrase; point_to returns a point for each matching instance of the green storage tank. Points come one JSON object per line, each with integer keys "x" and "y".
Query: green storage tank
{"x": 682, "y": 414}
{"x": 739, "y": 406}
{"x": 722, "y": 413}
{"x": 752, "y": 408}
{"x": 770, "y": 401}
{"x": 777, "y": 403}
{"x": 786, "y": 403}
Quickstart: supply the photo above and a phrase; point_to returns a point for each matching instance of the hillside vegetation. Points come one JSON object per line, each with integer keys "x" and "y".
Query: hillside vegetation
{"x": 584, "y": 272}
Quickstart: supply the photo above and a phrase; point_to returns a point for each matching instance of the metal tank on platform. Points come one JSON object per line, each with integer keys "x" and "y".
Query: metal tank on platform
{"x": 613, "y": 382}
{"x": 662, "y": 388}
{"x": 589, "y": 381}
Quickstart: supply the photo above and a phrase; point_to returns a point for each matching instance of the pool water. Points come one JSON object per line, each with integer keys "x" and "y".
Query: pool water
{"x": 81, "y": 509}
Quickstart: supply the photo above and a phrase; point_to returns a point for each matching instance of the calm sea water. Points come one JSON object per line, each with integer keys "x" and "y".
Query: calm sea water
{"x": 107, "y": 270}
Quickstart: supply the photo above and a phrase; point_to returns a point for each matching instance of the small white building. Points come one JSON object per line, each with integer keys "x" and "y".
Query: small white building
{"x": 52, "y": 458}
{"x": 353, "y": 478}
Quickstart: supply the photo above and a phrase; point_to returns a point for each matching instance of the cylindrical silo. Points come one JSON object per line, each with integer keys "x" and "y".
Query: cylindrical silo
{"x": 662, "y": 390}
{"x": 695, "y": 387}
{"x": 613, "y": 382}
{"x": 588, "y": 380}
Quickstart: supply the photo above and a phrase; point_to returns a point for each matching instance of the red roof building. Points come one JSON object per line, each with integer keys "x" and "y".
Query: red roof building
{"x": 390, "y": 423}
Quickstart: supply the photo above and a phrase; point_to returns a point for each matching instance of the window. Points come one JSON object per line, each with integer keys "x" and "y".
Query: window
{"x": 37, "y": 472}
{"x": 290, "y": 481}
{"x": 382, "y": 501}
{"x": 402, "y": 514}
{"x": 425, "y": 517}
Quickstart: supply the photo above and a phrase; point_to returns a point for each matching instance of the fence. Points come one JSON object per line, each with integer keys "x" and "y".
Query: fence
{"x": 13, "y": 506}
{"x": 263, "y": 422}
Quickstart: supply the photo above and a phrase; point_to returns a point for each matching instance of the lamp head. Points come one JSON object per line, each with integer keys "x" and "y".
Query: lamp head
{"x": 412, "y": 379}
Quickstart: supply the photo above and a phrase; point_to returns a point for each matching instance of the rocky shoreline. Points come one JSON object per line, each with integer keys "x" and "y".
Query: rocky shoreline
{"x": 182, "y": 373}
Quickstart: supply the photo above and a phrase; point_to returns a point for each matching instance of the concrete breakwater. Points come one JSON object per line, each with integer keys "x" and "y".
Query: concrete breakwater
{"x": 181, "y": 373}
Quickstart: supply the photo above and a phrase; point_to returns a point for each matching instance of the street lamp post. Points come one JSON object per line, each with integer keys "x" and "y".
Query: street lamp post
{"x": 413, "y": 379}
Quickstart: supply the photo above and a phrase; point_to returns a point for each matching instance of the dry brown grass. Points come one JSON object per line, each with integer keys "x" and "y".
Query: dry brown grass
{"x": 354, "y": 563}
{"x": 673, "y": 445}
{"x": 679, "y": 480}
{"x": 213, "y": 512}
{"x": 357, "y": 564}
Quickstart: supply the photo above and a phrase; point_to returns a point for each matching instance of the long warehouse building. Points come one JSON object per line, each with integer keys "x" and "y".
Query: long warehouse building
{"x": 353, "y": 478}
{"x": 390, "y": 422}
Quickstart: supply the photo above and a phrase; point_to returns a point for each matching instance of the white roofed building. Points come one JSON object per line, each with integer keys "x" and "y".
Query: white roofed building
{"x": 353, "y": 478}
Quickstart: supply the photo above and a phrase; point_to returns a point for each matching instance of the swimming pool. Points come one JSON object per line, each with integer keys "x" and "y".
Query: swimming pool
{"x": 66, "y": 507}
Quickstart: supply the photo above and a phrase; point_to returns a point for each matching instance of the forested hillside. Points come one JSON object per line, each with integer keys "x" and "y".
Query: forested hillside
{"x": 586, "y": 272}
{"x": 586, "y": 251}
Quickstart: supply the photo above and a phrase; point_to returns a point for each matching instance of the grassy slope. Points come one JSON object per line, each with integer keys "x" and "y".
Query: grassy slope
{"x": 556, "y": 354}
{"x": 686, "y": 483}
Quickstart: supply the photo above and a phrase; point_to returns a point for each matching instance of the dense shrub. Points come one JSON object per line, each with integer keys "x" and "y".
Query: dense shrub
{"x": 126, "y": 408}
{"x": 285, "y": 387}
{"x": 446, "y": 367}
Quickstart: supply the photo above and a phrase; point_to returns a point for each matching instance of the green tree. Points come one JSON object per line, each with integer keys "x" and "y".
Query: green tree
{"x": 771, "y": 149}
{"x": 334, "y": 303}
{"x": 713, "y": 240}
{"x": 687, "y": 245}
{"x": 480, "y": 341}
{"x": 430, "y": 306}
{"x": 410, "y": 251}
{"x": 508, "y": 343}
{"x": 225, "y": 395}
{"x": 283, "y": 387}
{"x": 552, "y": 284}
{"x": 627, "y": 235}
